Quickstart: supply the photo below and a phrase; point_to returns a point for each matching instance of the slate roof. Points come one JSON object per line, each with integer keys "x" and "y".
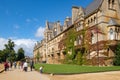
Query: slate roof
{"x": 51, "y": 25}
{"x": 93, "y": 6}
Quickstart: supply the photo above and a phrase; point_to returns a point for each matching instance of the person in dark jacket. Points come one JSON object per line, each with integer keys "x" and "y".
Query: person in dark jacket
{"x": 31, "y": 64}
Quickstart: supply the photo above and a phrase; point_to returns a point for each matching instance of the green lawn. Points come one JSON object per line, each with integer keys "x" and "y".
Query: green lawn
{"x": 73, "y": 69}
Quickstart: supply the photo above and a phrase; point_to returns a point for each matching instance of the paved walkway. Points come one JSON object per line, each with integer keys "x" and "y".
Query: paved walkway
{"x": 18, "y": 74}
{"x": 113, "y": 75}
{"x": 1, "y": 67}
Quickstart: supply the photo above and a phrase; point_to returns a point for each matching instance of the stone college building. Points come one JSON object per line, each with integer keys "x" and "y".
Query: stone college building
{"x": 100, "y": 22}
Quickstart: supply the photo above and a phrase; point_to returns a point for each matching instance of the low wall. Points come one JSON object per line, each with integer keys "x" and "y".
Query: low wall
{"x": 1, "y": 68}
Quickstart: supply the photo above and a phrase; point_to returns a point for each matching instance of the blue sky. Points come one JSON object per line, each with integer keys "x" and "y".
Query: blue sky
{"x": 24, "y": 20}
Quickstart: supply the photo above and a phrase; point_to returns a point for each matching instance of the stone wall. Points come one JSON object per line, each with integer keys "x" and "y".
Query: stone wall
{"x": 1, "y": 67}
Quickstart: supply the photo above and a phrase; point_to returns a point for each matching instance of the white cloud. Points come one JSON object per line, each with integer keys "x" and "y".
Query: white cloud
{"x": 26, "y": 44}
{"x": 2, "y": 43}
{"x": 40, "y": 32}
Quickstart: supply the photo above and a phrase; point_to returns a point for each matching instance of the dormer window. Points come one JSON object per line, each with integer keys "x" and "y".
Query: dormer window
{"x": 55, "y": 29}
{"x": 55, "y": 32}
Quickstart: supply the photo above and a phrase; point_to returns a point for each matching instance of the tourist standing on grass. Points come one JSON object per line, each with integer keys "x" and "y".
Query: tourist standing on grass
{"x": 31, "y": 64}
{"x": 25, "y": 66}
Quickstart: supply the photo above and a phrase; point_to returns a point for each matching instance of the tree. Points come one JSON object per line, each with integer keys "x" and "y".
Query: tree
{"x": 116, "y": 61}
{"x": 10, "y": 45}
{"x": 1, "y": 56}
{"x": 9, "y": 52}
{"x": 20, "y": 54}
{"x": 38, "y": 56}
{"x": 12, "y": 56}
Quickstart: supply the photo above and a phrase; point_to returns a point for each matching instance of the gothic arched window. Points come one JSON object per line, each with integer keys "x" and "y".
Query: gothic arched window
{"x": 91, "y": 20}
{"x": 92, "y": 38}
{"x": 111, "y": 34}
{"x": 113, "y": 2}
{"x": 94, "y": 19}
{"x": 109, "y": 3}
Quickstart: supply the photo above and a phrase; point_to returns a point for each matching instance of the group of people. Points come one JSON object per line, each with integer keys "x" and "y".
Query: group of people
{"x": 19, "y": 65}
{"x": 25, "y": 65}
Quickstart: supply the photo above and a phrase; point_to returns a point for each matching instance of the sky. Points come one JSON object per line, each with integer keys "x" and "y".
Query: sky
{"x": 23, "y": 21}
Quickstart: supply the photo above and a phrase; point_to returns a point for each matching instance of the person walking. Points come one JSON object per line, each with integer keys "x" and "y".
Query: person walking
{"x": 31, "y": 65}
{"x": 11, "y": 64}
{"x": 15, "y": 64}
{"x": 21, "y": 64}
{"x": 25, "y": 66}
{"x": 6, "y": 66}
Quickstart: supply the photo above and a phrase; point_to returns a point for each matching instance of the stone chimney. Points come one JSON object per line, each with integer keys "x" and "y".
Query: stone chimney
{"x": 58, "y": 27}
{"x": 46, "y": 25}
{"x": 75, "y": 10}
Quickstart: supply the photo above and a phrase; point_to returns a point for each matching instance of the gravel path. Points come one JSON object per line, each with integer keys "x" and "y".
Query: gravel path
{"x": 19, "y": 74}
{"x": 114, "y": 75}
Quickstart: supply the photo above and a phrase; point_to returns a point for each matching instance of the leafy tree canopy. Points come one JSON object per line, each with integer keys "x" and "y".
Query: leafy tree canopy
{"x": 20, "y": 54}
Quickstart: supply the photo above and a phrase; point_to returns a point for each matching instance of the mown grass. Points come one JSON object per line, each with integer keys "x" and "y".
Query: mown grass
{"x": 74, "y": 69}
